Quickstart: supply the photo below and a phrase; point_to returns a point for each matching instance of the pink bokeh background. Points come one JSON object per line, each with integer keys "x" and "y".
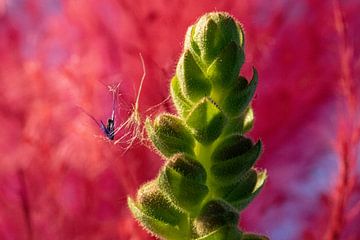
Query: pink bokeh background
{"x": 59, "y": 179}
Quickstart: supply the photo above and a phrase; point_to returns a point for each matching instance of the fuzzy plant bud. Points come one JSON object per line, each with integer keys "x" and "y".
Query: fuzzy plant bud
{"x": 233, "y": 157}
{"x": 156, "y": 205}
{"x": 240, "y": 194}
{"x": 214, "y": 216}
{"x": 209, "y": 176}
{"x": 212, "y": 58}
{"x": 169, "y": 135}
{"x": 212, "y": 33}
{"x": 157, "y": 213}
{"x": 184, "y": 180}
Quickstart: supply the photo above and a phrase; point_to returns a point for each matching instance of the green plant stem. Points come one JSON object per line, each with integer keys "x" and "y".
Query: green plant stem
{"x": 203, "y": 154}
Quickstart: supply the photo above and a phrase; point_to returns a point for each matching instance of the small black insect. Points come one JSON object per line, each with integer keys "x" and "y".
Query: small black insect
{"x": 131, "y": 126}
{"x": 109, "y": 129}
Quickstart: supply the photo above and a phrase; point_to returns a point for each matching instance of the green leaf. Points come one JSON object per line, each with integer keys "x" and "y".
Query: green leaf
{"x": 213, "y": 32}
{"x": 231, "y": 147}
{"x": 241, "y": 34}
{"x": 206, "y": 121}
{"x": 155, "y": 204}
{"x": 223, "y": 233}
{"x": 242, "y": 203}
{"x": 213, "y": 215}
{"x": 231, "y": 170}
{"x": 247, "y": 120}
{"x": 169, "y": 135}
{"x": 240, "y": 96}
{"x": 211, "y": 40}
{"x": 193, "y": 81}
{"x": 225, "y": 69}
{"x": 239, "y": 190}
{"x": 155, "y": 226}
{"x": 241, "y": 124}
{"x": 187, "y": 167}
{"x": 182, "y": 105}
{"x": 252, "y": 236}
{"x": 244, "y": 187}
{"x": 185, "y": 193}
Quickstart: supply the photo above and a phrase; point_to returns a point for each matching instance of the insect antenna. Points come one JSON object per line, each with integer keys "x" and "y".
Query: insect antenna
{"x": 107, "y": 129}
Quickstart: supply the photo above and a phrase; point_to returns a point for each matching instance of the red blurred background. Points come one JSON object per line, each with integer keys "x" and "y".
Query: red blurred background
{"x": 60, "y": 180}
